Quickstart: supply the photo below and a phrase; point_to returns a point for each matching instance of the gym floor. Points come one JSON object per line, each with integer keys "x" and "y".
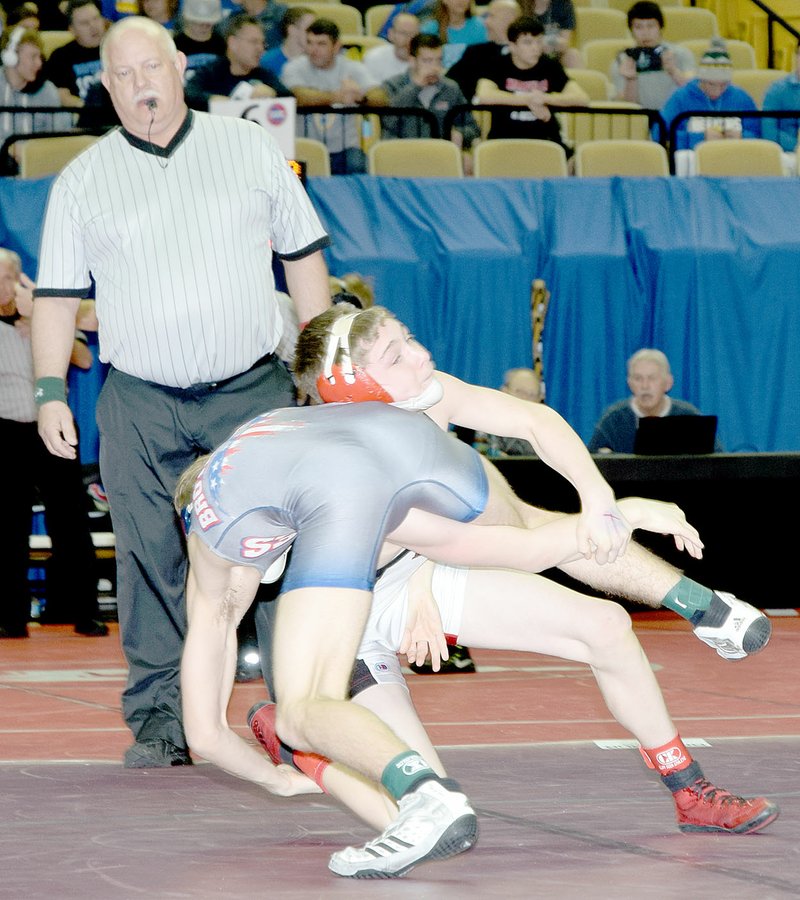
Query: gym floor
{"x": 567, "y": 809}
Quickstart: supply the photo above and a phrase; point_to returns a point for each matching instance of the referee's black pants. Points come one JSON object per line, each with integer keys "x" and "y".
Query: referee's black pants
{"x": 148, "y": 435}
{"x": 71, "y": 574}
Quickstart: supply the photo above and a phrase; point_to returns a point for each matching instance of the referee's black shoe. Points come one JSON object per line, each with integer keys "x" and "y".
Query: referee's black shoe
{"x": 460, "y": 662}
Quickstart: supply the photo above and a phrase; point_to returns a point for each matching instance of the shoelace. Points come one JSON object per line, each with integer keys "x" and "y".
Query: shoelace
{"x": 710, "y": 793}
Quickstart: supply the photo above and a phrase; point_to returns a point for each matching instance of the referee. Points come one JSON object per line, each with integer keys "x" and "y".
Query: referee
{"x": 174, "y": 218}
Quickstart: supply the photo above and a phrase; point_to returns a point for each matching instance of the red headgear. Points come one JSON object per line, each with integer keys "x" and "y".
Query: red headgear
{"x": 344, "y": 382}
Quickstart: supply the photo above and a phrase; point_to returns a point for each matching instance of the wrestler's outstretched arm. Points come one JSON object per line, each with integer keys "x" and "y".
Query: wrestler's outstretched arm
{"x": 602, "y": 529}
{"x": 555, "y": 542}
{"x": 218, "y": 594}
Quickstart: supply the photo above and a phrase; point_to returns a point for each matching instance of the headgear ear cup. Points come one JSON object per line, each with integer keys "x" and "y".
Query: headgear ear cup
{"x": 9, "y": 56}
{"x": 343, "y": 382}
{"x": 357, "y": 388}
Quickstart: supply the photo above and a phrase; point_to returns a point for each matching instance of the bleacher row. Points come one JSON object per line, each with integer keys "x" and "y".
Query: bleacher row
{"x": 601, "y": 33}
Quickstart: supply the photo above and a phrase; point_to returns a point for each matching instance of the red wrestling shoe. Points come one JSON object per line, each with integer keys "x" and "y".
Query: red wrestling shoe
{"x": 261, "y": 720}
{"x": 703, "y": 807}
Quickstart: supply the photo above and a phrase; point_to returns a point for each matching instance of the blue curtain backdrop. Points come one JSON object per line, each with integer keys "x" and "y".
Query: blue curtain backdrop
{"x": 706, "y": 269}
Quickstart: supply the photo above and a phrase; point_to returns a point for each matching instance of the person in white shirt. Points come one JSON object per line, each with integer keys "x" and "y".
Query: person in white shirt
{"x": 392, "y": 59}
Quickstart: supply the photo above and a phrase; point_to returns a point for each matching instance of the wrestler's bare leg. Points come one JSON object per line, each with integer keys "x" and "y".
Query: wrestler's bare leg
{"x": 317, "y": 634}
{"x": 532, "y": 613}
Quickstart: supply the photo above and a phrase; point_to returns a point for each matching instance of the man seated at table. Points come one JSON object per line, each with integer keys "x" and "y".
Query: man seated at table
{"x": 650, "y": 380}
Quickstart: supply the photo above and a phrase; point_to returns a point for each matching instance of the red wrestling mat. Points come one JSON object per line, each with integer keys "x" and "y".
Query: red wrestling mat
{"x": 560, "y": 817}
{"x": 59, "y": 694}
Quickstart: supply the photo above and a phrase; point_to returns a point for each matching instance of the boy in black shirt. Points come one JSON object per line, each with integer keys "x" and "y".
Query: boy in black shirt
{"x": 527, "y": 78}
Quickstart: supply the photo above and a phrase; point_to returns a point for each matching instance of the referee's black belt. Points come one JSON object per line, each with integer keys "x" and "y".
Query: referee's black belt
{"x": 208, "y": 387}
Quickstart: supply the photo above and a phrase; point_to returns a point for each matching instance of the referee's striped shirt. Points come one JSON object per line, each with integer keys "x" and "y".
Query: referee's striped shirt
{"x": 179, "y": 243}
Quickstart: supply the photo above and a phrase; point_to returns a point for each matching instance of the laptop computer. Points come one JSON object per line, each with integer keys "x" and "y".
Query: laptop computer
{"x": 671, "y": 435}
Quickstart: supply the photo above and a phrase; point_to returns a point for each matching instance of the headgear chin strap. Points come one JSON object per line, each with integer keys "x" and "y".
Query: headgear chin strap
{"x": 343, "y": 382}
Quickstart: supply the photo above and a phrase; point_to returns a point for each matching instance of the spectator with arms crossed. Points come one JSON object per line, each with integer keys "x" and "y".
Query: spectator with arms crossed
{"x": 325, "y": 76}
{"x": 527, "y": 78}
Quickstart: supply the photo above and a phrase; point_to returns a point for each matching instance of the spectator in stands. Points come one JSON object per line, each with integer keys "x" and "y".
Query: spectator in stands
{"x": 392, "y": 59}
{"x": 650, "y": 380}
{"x": 161, "y": 11}
{"x": 294, "y": 30}
{"x": 424, "y": 86}
{"x": 651, "y": 72}
{"x": 711, "y": 90}
{"x": 457, "y": 28}
{"x": 22, "y": 85}
{"x": 558, "y": 18}
{"x": 75, "y": 67}
{"x": 195, "y": 35}
{"x": 268, "y": 13}
{"x": 524, "y": 384}
{"x": 237, "y": 76}
{"x": 71, "y": 572}
{"x": 528, "y": 78}
{"x": 26, "y": 15}
{"x": 478, "y": 58}
{"x": 783, "y": 95}
{"x": 323, "y": 76}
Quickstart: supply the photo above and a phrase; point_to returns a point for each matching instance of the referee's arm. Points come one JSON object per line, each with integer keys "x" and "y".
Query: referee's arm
{"x": 52, "y": 337}
{"x": 307, "y": 280}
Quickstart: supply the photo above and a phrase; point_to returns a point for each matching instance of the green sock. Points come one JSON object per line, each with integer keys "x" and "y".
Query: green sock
{"x": 404, "y": 772}
{"x": 688, "y": 599}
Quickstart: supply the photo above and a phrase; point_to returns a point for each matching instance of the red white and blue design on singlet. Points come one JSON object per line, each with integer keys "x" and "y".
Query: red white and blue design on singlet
{"x": 203, "y": 508}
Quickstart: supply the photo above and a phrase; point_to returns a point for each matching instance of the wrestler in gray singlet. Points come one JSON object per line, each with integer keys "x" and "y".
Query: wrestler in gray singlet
{"x": 331, "y": 481}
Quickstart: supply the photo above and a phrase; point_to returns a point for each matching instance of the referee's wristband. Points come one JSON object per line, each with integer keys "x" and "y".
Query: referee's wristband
{"x": 50, "y": 388}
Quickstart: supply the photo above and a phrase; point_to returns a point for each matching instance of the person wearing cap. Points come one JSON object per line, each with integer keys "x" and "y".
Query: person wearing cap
{"x": 713, "y": 92}
{"x": 651, "y": 72}
{"x": 195, "y": 35}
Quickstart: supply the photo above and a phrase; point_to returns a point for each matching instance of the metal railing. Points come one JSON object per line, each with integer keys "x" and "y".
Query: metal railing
{"x": 773, "y": 20}
{"x": 743, "y": 114}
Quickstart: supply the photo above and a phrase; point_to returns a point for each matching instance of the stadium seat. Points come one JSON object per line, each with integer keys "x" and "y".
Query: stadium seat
{"x": 40, "y": 156}
{"x": 415, "y": 158}
{"x": 750, "y": 157}
{"x": 602, "y": 159}
{"x": 519, "y": 158}
{"x": 53, "y": 39}
{"x": 757, "y": 81}
{"x": 599, "y": 24}
{"x": 687, "y": 23}
{"x": 600, "y": 54}
{"x": 375, "y": 17}
{"x": 742, "y": 54}
{"x": 314, "y": 154}
{"x": 596, "y": 84}
{"x": 348, "y": 18}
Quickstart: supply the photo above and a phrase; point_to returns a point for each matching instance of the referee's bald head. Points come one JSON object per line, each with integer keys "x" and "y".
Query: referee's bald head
{"x": 139, "y": 23}
{"x": 143, "y": 73}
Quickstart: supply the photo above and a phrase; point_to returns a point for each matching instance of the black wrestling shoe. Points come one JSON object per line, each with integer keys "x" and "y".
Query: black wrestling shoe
{"x": 14, "y": 631}
{"x": 156, "y": 754}
{"x": 91, "y": 628}
{"x": 460, "y": 662}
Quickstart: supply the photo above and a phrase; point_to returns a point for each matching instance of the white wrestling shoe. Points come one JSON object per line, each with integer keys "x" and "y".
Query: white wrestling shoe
{"x": 744, "y": 632}
{"x": 433, "y": 823}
